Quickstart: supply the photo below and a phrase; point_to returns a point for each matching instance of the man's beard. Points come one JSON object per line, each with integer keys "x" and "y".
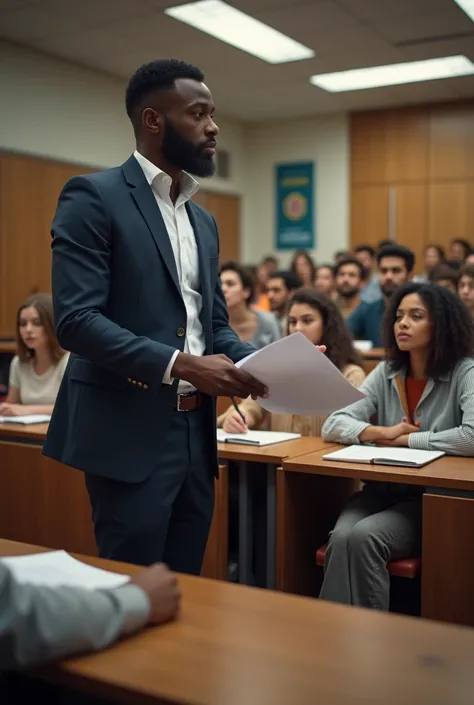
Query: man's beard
{"x": 388, "y": 292}
{"x": 185, "y": 154}
{"x": 347, "y": 293}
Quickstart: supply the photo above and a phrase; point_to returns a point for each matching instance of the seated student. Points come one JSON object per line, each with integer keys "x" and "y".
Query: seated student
{"x": 466, "y": 287}
{"x": 37, "y": 370}
{"x": 445, "y": 276}
{"x": 421, "y": 397}
{"x": 259, "y": 328}
{"x": 319, "y": 319}
{"x": 40, "y": 624}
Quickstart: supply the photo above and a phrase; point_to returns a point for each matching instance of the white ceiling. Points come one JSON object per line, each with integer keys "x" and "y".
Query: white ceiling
{"x": 117, "y": 36}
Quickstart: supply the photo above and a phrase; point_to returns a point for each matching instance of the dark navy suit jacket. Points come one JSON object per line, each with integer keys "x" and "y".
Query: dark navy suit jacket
{"x": 118, "y": 310}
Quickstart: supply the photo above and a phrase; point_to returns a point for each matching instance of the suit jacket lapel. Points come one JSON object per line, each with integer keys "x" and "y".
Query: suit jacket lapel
{"x": 145, "y": 200}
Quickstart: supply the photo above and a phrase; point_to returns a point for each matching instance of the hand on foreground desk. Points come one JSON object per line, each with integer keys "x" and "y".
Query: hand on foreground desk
{"x": 216, "y": 375}
{"x": 162, "y": 589}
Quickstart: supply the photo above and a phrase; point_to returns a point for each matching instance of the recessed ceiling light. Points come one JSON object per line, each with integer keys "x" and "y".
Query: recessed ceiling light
{"x": 394, "y": 74}
{"x": 224, "y": 22}
{"x": 466, "y": 6}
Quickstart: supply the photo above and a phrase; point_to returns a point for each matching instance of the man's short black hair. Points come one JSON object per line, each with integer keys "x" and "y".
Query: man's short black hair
{"x": 401, "y": 251}
{"x": 291, "y": 280}
{"x": 156, "y": 76}
{"x": 350, "y": 260}
{"x": 365, "y": 248}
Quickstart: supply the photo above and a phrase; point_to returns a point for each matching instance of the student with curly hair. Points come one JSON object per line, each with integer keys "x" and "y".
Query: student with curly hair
{"x": 421, "y": 396}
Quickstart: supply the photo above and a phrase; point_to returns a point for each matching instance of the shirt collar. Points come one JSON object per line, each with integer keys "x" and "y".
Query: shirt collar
{"x": 392, "y": 374}
{"x": 160, "y": 182}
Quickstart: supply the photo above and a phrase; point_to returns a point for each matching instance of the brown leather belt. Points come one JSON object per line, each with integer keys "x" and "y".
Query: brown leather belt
{"x": 188, "y": 402}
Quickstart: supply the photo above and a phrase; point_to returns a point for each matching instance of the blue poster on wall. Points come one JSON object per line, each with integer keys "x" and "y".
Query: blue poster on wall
{"x": 295, "y": 206}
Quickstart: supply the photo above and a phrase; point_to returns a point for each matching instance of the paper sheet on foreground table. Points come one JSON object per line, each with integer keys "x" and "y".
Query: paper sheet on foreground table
{"x": 300, "y": 378}
{"x": 58, "y": 568}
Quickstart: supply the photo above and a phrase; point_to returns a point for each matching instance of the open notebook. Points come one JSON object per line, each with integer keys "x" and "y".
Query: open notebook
{"x": 376, "y": 455}
{"x": 255, "y": 438}
{"x": 26, "y": 420}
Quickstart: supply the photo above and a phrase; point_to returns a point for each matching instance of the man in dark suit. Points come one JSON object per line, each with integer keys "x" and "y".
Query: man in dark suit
{"x": 138, "y": 303}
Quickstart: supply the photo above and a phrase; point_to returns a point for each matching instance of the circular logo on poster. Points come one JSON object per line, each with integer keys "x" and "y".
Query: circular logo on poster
{"x": 295, "y": 206}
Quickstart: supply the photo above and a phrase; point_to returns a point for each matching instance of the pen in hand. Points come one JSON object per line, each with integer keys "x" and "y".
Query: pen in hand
{"x": 236, "y": 407}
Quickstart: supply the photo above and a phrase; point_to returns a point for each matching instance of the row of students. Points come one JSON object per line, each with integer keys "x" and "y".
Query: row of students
{"x": 421, "y": 396}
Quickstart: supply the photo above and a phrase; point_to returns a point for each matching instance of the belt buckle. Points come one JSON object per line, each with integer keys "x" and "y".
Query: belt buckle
{"x": 178, "y": 403}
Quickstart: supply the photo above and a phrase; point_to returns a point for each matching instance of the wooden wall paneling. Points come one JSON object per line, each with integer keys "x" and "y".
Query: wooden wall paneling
{"x": 411, "y": 219}
{"x": 451, "y": 153}
{"x": 389, "y": 146}
{"x": 226, "y": 210}
{"x": 369, "y": 214}
{"x": 29, "y": 192}
{"x": 450, "y": 211}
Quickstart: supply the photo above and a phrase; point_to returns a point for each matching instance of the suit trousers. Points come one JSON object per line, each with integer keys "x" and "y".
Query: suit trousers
{"x": 167, "y": 517}
{"x": 377, "y": 526}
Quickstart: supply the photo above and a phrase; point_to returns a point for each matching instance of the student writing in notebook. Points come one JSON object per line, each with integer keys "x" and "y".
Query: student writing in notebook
{"x": 37, "y": 370}
{"x": 319, "y": 320}
{"x": 421, "y": 396}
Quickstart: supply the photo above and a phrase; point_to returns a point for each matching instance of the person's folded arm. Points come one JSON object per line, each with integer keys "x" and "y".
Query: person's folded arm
{"x": 346, "y": 425}
{"x": 40, "y": 624}
{"x": 460, "y": 439}
{"x": 81, "y": 274}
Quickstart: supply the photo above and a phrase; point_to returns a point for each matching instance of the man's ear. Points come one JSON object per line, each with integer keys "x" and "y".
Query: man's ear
{"x": 152, "y": 121}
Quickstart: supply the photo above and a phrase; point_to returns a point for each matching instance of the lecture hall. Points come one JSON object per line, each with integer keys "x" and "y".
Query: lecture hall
{"x": 237, "y": 352}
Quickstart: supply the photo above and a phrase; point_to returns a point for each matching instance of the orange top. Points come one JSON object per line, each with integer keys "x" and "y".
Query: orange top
{"x": 415, "y": 388}
{"x": 262, "y": 303}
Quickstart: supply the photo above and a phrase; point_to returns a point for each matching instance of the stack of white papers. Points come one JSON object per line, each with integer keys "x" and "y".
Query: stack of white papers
{"x": 26, "y": 420}
{"x": 255, "y": 438}
{"x": 58, "y": 568}
{"x": 300, "y": 379}
{"x": 375, "y": 455}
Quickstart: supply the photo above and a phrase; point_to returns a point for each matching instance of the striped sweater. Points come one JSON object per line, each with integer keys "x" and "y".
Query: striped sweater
{"x": 445, "y": 411}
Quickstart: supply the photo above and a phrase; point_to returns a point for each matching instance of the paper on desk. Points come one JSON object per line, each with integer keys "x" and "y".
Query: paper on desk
{"x": 27, "y": 419}
{"x": 58, "y": 568}
{"x": 300, "y": 378}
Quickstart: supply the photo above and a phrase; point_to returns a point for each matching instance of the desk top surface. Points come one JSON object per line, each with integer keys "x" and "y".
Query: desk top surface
{"x": 22, "y": 433}
{"x": 373, "y": 354}
{"x": 273, "y": 453}
{"x": 8, "y": 346}
{"x": 235, "y": 645}
{"x": 227, "y": 451}
{"x": 449, "y": 472}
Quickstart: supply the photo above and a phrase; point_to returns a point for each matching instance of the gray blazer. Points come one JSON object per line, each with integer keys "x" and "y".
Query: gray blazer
{"x": 445, "y": 411}
{"x": 39, "y": 624}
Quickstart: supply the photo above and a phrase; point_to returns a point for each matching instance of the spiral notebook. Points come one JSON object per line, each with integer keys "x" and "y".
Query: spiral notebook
{"x": 377, "y": 455}
{"x": 255, "y": 438}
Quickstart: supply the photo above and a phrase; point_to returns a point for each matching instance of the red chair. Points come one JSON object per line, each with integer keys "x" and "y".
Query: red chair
{"x": 405, "y": 568}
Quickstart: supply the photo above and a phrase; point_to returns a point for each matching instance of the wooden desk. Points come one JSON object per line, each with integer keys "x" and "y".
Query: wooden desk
{"x": 372, "y": 358}
{"x": 265, "y": 459}
{"x": 7, "y": 347}
{"x": 448, "y": 524}
{"x": 46, "y": 502}
{"x": 235, "y": 645}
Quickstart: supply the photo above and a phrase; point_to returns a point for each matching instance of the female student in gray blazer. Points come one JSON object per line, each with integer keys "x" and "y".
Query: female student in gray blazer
{"x": 421, "y": 396}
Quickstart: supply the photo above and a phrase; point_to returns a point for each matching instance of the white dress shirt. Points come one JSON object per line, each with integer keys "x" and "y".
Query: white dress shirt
{"x": 183, "y": 242}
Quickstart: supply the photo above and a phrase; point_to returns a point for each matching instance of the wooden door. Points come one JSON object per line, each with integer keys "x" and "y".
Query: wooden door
{"x": 226, "y": 210}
